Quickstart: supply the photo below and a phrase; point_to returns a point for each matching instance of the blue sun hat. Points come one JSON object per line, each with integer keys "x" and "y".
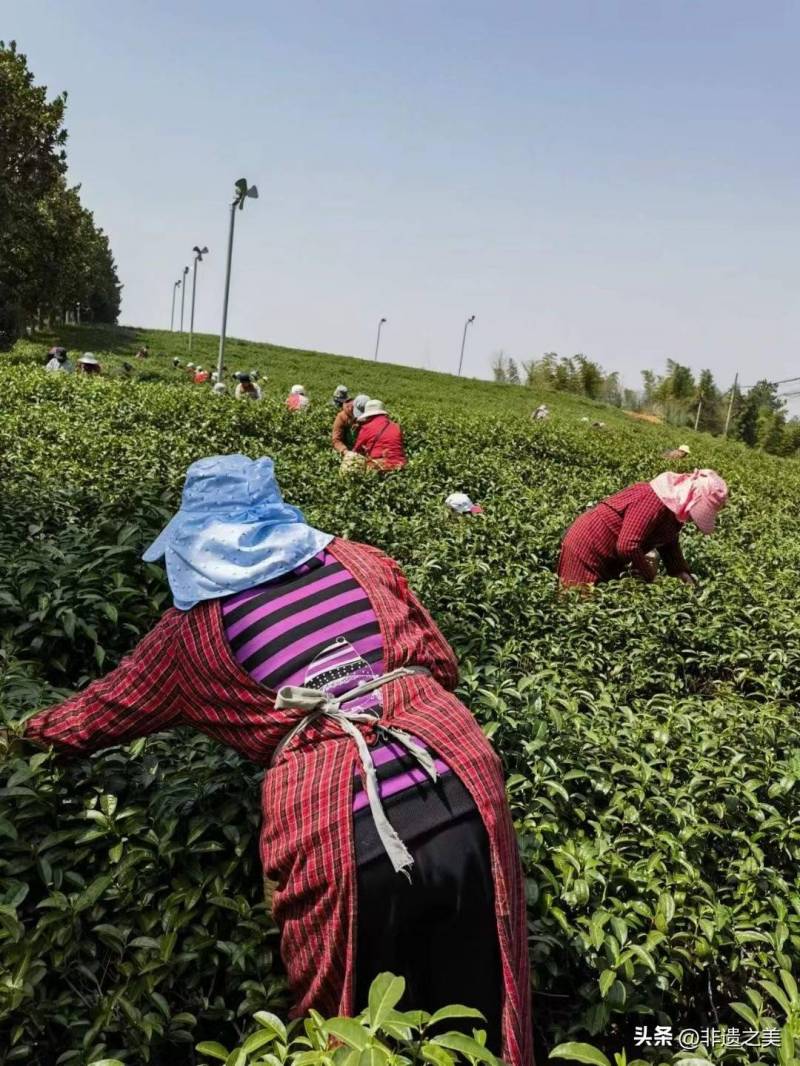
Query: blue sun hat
{"x": 233, "y": 531}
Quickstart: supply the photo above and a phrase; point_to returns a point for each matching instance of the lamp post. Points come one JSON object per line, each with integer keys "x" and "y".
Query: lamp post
{"x": 183, "y": 295}
{"x": 378, "y": 341}
{"x": 242, "y": 193}
{"x": 198, "y": 258}
{"x": 463, "y": 342}
{"x": 175, "y": 285}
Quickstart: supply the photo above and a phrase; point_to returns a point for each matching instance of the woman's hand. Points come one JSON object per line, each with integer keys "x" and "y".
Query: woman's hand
{"x": 687, "y": 578}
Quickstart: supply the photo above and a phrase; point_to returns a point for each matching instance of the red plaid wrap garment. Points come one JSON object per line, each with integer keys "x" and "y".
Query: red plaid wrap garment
{"x": 617, "y": 532}
{"x": 183, "y": 673}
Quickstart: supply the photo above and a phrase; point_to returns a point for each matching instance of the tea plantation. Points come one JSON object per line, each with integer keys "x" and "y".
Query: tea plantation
{"x": 649, "y": 733}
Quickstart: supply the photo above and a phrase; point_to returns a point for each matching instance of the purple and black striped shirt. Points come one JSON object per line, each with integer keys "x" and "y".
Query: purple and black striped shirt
{"x": 315, "y": 627}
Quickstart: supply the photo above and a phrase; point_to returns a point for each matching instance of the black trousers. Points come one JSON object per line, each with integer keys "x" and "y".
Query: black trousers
{"x": 438, "y": 931}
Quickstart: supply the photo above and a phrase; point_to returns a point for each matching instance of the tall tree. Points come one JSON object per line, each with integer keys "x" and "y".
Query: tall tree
{"x": 712, "y": 414}
{"x": 52, "y": 254}
{"x": 32, "y": 161}
{"x": 650, "y": 384}
{"x": 590, "y": 376}
{"x": 499, "y": 369}
{"x": 747, "y": 420}
{"x": 774, "y": 433}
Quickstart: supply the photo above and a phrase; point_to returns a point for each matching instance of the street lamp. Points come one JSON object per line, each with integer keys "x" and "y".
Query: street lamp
{"x": 183, "y": 295}
{"x": 175, "y": 285}
{"x": 463, "y": 342}
{"x": 198, "y": 258}
{"x": 242, "y": 193}
{"x": 378, "y": 341}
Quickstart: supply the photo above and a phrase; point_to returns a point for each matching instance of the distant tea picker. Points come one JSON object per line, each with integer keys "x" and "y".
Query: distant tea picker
{"x": 345, "y": 425}
{"x": 386, "y": 825}
{"x": 379, "y": 439}
{"x": 622, "y": 529}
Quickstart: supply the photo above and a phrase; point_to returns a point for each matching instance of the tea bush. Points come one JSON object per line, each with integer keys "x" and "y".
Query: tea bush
{"x": 649, "y": 733}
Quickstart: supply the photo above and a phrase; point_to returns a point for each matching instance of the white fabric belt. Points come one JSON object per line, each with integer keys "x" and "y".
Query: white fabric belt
{"x": 321, "y": 704}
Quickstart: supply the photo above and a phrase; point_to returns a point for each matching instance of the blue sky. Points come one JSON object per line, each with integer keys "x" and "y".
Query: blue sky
{"x": 616, "y": 178}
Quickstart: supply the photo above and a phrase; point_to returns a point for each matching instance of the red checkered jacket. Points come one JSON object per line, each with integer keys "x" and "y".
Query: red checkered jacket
{"x": 183, "y": 673}
{"x": 619, "y": 532}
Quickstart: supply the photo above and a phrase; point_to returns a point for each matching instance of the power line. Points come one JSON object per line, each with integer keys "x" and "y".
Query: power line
{"x": 785, "y": 381}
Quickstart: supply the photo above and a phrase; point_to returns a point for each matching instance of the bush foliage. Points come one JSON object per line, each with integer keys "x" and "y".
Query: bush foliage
{"x": 649, "y": 733}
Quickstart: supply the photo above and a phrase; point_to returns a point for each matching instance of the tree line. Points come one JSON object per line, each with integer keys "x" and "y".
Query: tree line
{"x": 56, "y": 264}
{"x": 757, "y": 416}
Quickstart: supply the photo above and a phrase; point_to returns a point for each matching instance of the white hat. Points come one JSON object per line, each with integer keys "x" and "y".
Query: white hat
{"x": 88, "y": 357}
{"x": 372, "y": 408}
{"x": 298, "y": 390}
{"x": 684, "y": 448}
{"x": 462, "y": 504}
{"x": 190, "y": 366}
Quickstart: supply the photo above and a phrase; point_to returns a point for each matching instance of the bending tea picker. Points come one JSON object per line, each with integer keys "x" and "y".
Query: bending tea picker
{"x": 622, "y": 529}
{"x": 379, "y": 439}
{"x": 246, "y": 388}
{"x": 58, "y": 363}
{"x": 297, "y": 400}
{"x": 460, "y": 503}
{"x": 345, "y": 424}
{"x": 681, "y": 452}
{"x": 386, "y": 829}
{"x": 88, "y": 364}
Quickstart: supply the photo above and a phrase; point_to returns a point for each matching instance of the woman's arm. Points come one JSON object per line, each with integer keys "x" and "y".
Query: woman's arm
{"x": 340, "y": 426}
{"x": 142, "y": 696}
{"x": 674, "y": 561}
{"x": 639, "y": 521}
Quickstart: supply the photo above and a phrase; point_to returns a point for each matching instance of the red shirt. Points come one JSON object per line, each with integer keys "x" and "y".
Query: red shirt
{"x": 381, "y": 440}
{"x": 617, "y": 532}
{"x": 184, "y": 673}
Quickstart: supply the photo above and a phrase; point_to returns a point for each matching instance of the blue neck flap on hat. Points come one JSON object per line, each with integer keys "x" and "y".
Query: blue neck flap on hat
{"x": 233, "y": 531}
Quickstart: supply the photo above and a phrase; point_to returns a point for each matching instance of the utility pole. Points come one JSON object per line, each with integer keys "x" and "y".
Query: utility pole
{"x": 730, "y": 405}
{"x": 697, "y": 416}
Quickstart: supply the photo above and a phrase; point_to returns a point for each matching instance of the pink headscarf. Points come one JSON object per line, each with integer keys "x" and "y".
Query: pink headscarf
{"x": 697, "y": 496}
